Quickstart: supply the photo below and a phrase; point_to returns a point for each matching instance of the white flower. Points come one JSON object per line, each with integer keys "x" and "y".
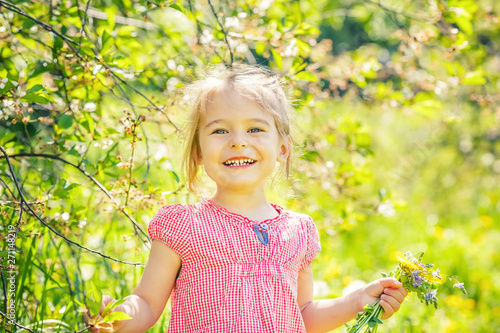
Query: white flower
{"x": 386, "y": 208}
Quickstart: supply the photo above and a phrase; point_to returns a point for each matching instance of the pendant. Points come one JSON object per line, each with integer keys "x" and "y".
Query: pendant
{"x": 261, "y": 234}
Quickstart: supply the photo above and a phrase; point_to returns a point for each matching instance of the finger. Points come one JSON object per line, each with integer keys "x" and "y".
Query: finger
{"x": 396, "y": 293}
{"x": 388, "y": 310}
{"x": 85, "y": 318}
{"x": 390, "y": 283}
{"x": 106, "y": 299}
{"x": 404, "y": 291}
{"x": 392, "y": 305}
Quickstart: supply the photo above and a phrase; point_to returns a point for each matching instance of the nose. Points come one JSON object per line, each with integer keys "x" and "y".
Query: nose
{"x": 238, "y": 141}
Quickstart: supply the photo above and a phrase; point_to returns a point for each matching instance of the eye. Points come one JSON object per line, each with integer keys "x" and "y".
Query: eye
{"x": 255, "y": 130}
{"x": 219, "y": 131}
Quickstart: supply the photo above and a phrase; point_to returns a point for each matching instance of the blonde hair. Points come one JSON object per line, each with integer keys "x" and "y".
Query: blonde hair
{"x": 254, "y": 83}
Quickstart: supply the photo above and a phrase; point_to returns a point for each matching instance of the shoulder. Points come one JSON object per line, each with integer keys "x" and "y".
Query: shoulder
{"x": 175, "y": 216}
{"x": 172, "y": 226}
{"x": 172, "y": 209}
{"x": 303, "y": 219}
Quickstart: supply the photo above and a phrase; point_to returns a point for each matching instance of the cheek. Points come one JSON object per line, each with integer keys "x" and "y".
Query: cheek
{"x": 265, "y": 140}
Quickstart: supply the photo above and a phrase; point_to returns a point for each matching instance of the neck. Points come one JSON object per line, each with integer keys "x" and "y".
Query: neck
{"x": 252, "y": 205}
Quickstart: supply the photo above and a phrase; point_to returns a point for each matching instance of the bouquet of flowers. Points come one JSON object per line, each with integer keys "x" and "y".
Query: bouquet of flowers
{"x": 415, "y": 276}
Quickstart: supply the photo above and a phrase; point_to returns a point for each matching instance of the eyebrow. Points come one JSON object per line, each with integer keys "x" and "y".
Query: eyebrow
{"x": 258, "y": 120}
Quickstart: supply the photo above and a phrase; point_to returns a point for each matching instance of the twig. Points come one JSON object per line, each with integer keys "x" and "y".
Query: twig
{"x": 63, "y": 266}
{"x": 84, "y": 22}
{"x": 141, "y": 94}
{"x": 4, "y": 287}
{"x": 77, "y": 53}
{"x": 16, "y": 324}
{"x": 46, "y": 26}
{"x": 198, "y": 26}
{"x": 392, "y": 10}
{"x": 18, "y": 202}
{"x": 23, "y": 200}
{"x": 238, "y": 35}
{"x": 133, "y": 106}
{"x": 223, "y": 31}
{"x": 100, "y": 15}
{"x": 95, "y": 181}
{"x": 130, "y": 166}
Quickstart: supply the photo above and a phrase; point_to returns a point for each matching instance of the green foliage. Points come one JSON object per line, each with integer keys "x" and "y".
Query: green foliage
{"x": 396, "y": 130}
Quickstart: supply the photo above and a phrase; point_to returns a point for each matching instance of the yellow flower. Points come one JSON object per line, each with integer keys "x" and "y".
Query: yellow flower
{"x": 432, "y": 279}
{"x": 408, "y": 264}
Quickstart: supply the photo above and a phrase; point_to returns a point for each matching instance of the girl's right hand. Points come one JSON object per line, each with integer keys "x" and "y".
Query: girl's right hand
{"x": 104, "y": 327}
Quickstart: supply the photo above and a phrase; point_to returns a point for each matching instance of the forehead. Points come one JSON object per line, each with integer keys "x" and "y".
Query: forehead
{"x": 230, "y": 105}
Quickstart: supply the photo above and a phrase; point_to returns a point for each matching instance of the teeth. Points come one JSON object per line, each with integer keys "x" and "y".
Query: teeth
{"x": 239, "y": 162}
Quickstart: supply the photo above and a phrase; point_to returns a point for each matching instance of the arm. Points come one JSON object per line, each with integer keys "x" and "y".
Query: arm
{"x": 326, "y": 315}
{"x": 149, "y": 298}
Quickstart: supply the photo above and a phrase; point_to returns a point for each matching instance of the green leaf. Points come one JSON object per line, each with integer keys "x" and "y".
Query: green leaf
{"x": 58, "y": 42}
{"x": 474, "y": 78}
{"x": 80, "y": 93}
{"x": 297, "y": 65}
{"x": 178, "y": 7}
{"x": 363, "y": 140}
{"x": 34, "y": 98}
{"x": 65, "y": 121}
{"x": 278, "y": 60}
{"x": 107, "y": 41}
{"x": 306, "y": 29}
{"x": 176, "y": 177}
{"x": 63, "y": 192}
{"x": 260, "y": 47}
{"x": 96, "y": 293}
{"x": 219, "y": 34}
{"x": 35, "y": 88}
{"x": 88, "y": 51}
{"x": 304, "y": 48}
{"x": 465, "y": 25}
{"x": 111, "y": 305}
{"x": 94, "y": 307}
{"x": 114, "y": 316}
{"x": 306, "y": 76}
{"x": 88, "y": 123}
{"x": 6, "y": 136}
{"x": 310, "y": 155}
{"x": 110, "y": 130}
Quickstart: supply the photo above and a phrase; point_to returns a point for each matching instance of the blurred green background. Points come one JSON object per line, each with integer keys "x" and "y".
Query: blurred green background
{"x": 396, "y": 129}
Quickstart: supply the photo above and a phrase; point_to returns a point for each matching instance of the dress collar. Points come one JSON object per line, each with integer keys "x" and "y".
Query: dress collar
{"x": 242, "y": 219}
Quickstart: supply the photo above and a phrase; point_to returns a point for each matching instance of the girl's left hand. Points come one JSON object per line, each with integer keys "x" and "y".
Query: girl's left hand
{"x": 389, "y": 290}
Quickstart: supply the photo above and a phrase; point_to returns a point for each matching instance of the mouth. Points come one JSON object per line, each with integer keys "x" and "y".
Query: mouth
{"x": 239, "y": 162}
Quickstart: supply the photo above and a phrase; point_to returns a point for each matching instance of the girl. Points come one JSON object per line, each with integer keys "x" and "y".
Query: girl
{"x": 235, "y": 262}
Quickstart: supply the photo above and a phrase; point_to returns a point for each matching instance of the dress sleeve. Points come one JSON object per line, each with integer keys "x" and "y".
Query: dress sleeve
{"x": 170, "y": 225}
{"x": 313, "y": 243}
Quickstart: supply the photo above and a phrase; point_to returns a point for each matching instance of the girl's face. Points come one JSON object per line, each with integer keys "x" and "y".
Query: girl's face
{"x": 239, "y": 144}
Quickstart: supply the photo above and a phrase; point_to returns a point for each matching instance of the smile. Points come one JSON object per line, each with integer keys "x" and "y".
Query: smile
{"x": 238, "y": 162}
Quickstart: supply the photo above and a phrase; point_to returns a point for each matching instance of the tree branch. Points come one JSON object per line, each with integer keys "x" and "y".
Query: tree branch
{"x": 95, "y": 181}
{"x": 46, "y": 26}
{"x": 16, "y": 324}
{"x": 23, "y": 201}
{"x": 223, "y": 31}
{"x": 71, "y": 42}
{"x": 395, "y": 11}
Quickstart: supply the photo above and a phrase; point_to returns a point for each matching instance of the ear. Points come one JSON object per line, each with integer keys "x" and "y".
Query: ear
{"x": 197, "y": 156}
{"x": 199, "y": 159}
{"x": 283, "y": 153}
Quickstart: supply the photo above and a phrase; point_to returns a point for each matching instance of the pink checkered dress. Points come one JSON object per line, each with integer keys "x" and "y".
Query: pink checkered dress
{"x": 229, "y": 280}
